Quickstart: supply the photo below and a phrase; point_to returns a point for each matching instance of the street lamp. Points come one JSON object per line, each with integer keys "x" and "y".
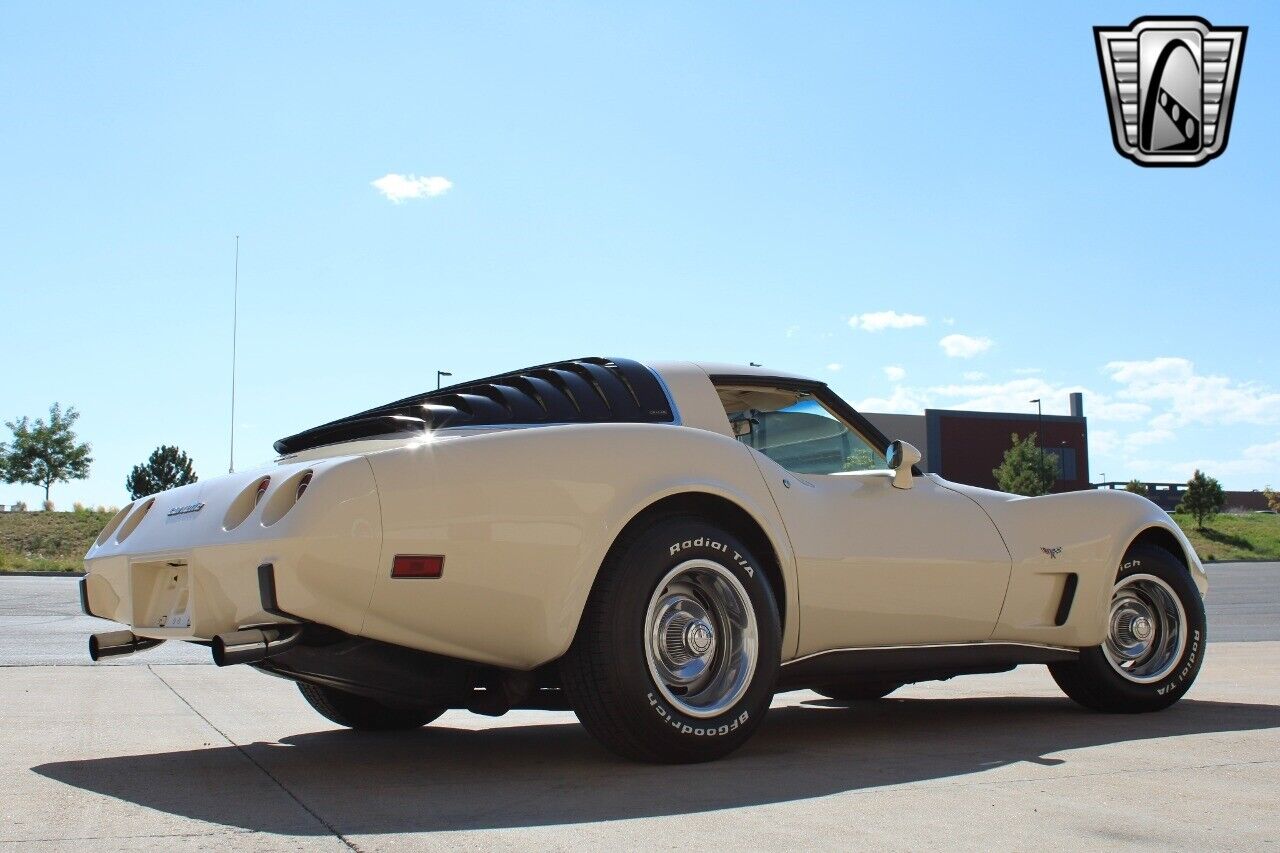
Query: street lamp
{"x": 1039, "y": 428}
{"x": 440, "y": 373}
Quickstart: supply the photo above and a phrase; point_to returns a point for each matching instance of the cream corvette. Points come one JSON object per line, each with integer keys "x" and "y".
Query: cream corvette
{"x": 659, "y": 547}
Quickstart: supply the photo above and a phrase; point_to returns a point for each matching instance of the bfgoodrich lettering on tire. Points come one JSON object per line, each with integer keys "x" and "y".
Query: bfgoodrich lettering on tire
{"x": 1155, "y": 639}
{"x": 676, "y": 657}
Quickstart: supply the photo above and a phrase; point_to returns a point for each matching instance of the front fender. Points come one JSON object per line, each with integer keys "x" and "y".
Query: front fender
{"x": 1093, "y": 530}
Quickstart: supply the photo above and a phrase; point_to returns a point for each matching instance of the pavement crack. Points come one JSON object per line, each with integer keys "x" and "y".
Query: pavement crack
{"x": 280, "y": 784}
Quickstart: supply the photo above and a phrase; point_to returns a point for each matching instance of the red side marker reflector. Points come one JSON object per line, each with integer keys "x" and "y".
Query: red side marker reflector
{"x": 417, "y": 566}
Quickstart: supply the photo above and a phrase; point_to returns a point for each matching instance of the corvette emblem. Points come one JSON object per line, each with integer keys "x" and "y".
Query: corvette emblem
{"x": 1170, "y": 86}
{"x": 1052, "y": 552}
{"x": 185, "y": 510}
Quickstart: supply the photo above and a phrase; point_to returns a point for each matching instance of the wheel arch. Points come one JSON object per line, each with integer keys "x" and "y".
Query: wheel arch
{"x": 1160, "y": 537}
{"x": 725, "y": 512}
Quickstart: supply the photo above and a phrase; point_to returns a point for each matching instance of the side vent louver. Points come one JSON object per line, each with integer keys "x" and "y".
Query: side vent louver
{"x": 585, "y": 390}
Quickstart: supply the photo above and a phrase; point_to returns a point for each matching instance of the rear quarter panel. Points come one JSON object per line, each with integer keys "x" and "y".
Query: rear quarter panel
{"x": 524, "y": 518}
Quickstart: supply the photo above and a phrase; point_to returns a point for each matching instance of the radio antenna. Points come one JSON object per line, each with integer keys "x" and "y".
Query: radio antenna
{"x": 235, "y": 317}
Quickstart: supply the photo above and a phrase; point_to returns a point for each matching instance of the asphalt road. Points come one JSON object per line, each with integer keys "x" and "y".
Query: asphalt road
{"x": 153, "y": 753}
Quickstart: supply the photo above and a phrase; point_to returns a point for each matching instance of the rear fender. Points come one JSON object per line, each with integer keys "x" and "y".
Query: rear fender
{"x": 524, "y": 518}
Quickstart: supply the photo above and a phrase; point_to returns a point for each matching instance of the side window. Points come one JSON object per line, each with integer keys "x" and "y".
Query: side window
{"x": 798, "y": 432}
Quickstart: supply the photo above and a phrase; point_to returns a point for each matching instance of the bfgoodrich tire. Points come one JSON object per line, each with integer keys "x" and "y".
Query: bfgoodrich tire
{"x": 362, "y": 713}
{"x": 1155, "y": 640}
{"x": 676, "y": 657}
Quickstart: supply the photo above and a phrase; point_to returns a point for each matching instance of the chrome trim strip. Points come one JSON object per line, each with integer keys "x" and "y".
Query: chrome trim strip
{"x": 933, "y": 646}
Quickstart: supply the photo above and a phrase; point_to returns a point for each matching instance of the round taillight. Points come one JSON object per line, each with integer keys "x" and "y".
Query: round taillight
{"x": 303, "y": 482}
{"x": 262, "y": 490}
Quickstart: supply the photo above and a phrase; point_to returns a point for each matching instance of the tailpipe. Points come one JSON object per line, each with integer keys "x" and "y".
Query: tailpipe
{"x": 113, "y": 643}
{"x": 253, "y": 644}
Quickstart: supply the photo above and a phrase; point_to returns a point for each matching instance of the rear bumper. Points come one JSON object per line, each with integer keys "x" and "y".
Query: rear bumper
{"x": 194, "y": 575}
{"x": 191, "y": 597}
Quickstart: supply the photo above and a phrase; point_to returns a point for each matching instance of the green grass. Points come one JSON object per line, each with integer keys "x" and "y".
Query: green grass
{"x": 47, "y": 541}
{"x": 1234, "y": 537}
{"x": 56, "y": 541}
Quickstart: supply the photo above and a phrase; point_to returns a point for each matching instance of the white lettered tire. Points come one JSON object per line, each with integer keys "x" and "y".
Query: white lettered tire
{"x": 677, "y": 654}
{"x": 1155, "y": 640}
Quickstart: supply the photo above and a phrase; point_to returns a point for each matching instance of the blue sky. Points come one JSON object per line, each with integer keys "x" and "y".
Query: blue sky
{"x": 731, "y": 182}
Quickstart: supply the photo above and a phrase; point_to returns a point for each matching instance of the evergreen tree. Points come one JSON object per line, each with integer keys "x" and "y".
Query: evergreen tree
{"x": 1202, "y": 499}
{"x": 166, "y": 468}
{"x": 1026, "y": 469}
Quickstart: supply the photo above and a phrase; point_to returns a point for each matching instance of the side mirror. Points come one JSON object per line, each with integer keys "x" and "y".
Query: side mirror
{"x": 901, "y": 457}
{"x": 743, "y": 426}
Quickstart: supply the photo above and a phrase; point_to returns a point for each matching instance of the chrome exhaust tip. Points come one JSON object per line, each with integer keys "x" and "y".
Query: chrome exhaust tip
{"x": 112, "y": 643}
{"x": 253, "y": 644}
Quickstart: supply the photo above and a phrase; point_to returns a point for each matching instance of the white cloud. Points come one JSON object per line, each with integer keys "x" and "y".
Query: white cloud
{"x": 948, "y": 321}
{"x": 1144, "y": 438}
{"x": 1190, "y": 397}
{"x": 1105, "y": 409}
{"x": 974, "y": 376}
{"x": 963, "y": 346}
{"x": 1026, "y": 371}
{"x": 792, "y": 331}
{"x": 1103, "y": 441}
{"x": 1253, "y": 468}
{"x": 895, "y": 373}
{"x": 399, "y": 188}
{"x": 834, "y": 366}
{"x": 1011, "y": 396}
{"x": 878, "y": 321}
{"x": 903, "y": 401}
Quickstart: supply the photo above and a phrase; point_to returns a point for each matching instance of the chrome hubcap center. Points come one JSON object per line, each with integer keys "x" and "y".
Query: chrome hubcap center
{"x": 1141, "y": 628}
{"x": 699, "y": 638}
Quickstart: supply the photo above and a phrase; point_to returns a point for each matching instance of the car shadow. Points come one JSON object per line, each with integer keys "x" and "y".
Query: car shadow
{"x": 442, "y": 778}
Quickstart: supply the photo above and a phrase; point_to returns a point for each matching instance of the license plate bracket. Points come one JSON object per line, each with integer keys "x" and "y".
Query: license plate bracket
{"x": 161, "y": 595}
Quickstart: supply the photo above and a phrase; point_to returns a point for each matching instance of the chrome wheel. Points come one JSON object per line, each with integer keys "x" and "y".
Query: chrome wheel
{"x": 1147, "y": 631}
{"x": 701, "y": 638}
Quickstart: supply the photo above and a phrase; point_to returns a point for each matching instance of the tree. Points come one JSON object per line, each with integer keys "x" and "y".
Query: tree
{"x": 1273, "y": 498}
{"x": 45, "y": 453}
{"x": 1026, "y": 469}
{"x": 166, "y": 468}
{"x": 1202, "y": 499}
{"x": 1137, "y": 487}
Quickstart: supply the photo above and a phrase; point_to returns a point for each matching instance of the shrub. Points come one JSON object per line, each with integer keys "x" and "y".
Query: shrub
{"x": 47, "y": 506}
{"x": 20, "y": 506}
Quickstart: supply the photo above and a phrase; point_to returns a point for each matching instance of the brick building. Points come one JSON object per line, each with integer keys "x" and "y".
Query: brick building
{"x": 965, "y": 446}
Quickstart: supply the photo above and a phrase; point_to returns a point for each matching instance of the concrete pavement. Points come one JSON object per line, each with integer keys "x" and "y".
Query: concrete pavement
{"x": 149, "y": 755}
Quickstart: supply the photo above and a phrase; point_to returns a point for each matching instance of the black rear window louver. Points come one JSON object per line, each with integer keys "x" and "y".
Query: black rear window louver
{"x": 584, "y": 390}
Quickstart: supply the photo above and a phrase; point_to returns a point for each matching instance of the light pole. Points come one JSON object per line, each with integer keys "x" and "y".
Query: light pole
{"x": 440, "y": 373}
{"x": 1039, "y": 429}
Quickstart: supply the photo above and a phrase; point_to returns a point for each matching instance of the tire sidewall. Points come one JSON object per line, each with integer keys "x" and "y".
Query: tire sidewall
{"x": 1170, "y": 688}
{"x": 645, "y": 564}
